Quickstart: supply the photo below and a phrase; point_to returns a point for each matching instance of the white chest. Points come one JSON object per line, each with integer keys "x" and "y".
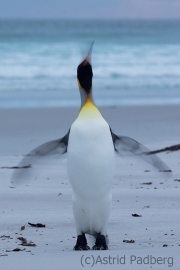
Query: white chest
{"x": 90, "y": 156}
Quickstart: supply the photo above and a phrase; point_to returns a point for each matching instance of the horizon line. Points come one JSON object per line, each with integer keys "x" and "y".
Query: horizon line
{"x": 89, "y": 19}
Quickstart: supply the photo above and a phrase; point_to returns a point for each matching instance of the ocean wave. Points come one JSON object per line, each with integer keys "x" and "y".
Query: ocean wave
{"x": 132, "y": 61}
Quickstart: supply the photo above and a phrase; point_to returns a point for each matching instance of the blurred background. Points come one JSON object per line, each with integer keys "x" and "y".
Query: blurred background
{"x": 135, "y": 59}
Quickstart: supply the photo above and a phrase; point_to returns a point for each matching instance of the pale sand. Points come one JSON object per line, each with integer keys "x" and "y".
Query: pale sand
{"x": 47, "y": 197}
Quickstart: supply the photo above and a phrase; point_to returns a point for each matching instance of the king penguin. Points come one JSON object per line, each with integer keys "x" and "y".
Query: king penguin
{"x": 90, "y": 159}
{"x": 90, "y": 145}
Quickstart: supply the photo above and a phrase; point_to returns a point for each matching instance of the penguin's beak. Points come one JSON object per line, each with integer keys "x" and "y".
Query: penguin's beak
{"x": 87, "y": 60}
{"x": 85, "y": 74}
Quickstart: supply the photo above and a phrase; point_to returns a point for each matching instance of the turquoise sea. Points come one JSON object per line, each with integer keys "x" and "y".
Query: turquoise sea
{"x": 134, "y": 62}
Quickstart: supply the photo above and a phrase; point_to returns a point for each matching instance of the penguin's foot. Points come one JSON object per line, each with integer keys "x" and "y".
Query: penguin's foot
{"x": 100, "y": 243}
{"x": 81, "y": 247}
{"x": 81, "y": 243}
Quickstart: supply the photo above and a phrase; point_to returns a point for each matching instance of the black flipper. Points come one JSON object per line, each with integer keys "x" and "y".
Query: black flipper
{"x": 55, "y": 147}
{"x": 127, "y": 146}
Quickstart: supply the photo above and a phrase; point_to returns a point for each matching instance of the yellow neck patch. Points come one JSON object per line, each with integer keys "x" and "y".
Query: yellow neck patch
{"x": 89, "y": 110}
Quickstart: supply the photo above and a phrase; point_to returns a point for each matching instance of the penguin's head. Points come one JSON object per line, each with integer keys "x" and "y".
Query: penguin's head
{"x": 85, "y": 74}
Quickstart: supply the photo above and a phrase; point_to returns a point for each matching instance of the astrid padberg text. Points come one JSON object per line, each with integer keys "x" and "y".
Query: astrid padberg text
{"x": 92, "y": 260}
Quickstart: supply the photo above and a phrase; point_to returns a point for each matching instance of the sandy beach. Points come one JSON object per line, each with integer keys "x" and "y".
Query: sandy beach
{"x": 46, "y": 198}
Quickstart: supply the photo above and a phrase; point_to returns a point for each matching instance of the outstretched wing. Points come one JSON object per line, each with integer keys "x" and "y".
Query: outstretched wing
{"x": 55, "y": 147}
{"x": 127, "y": 146}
